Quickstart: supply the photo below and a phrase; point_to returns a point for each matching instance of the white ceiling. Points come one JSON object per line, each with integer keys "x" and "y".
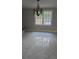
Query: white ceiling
{"x": 43, "y": 3}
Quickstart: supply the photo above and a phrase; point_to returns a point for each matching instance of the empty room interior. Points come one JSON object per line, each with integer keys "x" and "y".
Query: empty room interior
{"x": 39, "y": 29}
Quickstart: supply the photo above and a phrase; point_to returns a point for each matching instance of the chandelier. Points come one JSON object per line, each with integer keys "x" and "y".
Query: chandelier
{"x": 38, "y": 10}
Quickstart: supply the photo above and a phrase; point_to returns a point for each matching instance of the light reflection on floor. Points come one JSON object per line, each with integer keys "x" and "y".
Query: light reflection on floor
{"x": 39, "y": 45}
{"x": 42, "y": 41}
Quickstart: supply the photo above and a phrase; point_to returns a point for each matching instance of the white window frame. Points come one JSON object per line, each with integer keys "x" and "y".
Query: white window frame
{"x": 39, "y": 20}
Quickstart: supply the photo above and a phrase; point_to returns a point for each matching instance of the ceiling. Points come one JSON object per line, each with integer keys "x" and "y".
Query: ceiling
{"x": 43, "y": 3}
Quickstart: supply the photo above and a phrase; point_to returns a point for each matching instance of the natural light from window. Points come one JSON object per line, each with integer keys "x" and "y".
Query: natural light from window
{"x": 44, "y": 19}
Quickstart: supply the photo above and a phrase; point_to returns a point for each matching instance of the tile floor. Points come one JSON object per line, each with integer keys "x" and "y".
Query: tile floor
{"x": 39, "y": 45}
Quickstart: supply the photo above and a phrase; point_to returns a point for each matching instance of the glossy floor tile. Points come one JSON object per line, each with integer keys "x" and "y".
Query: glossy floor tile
{"x": 39, "y": 45}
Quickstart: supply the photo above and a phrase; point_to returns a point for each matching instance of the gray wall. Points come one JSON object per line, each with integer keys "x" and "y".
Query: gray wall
{"x": 28, "y": 21}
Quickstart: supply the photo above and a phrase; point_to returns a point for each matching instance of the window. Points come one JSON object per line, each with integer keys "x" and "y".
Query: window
{"x": 44, "y": 19}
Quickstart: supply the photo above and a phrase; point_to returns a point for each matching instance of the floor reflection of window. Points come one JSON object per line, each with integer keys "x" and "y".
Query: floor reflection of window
{"x": 42, "y": 41}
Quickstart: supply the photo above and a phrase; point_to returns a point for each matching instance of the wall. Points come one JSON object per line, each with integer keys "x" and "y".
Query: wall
{"x": 28, "y": 21}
